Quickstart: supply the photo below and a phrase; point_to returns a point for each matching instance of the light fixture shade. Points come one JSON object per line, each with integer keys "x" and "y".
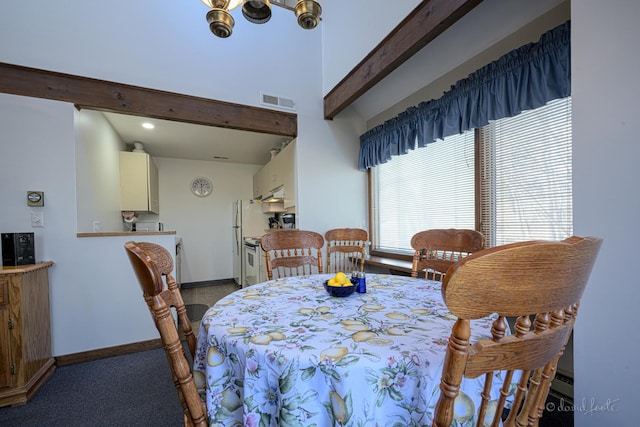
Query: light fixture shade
{"x": 220, "y": 22}
{"x": 308, "y": 13}
{"x": 222, "y": 4}
{"x": 216, "y": 4}
{"x": 256, "y": 11}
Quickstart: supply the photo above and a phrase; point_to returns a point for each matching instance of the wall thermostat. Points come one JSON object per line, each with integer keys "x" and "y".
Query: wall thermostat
{"x": 35, "y": 198}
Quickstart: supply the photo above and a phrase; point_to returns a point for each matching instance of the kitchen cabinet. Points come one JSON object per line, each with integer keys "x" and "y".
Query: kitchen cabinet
{"x": 138, "y": 183}
{"x": 279, "y": 172}
{"x": 25, "y": 333}
{"x": 257, "y": 185}
{"x": 287, "y": 174}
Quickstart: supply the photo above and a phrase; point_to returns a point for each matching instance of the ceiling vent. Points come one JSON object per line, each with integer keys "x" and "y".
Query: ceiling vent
{"x": 277, "y": 101}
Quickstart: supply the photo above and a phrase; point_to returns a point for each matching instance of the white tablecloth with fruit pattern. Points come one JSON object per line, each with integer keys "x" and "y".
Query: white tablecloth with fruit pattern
{"x": 285, "y": 353}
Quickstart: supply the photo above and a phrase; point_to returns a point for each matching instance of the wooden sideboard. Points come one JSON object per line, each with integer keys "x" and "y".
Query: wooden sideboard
{"x": 25, "y": 333}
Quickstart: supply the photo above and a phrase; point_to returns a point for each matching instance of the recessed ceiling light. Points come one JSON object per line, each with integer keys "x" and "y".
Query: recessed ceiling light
{"x": 148, "y": 125}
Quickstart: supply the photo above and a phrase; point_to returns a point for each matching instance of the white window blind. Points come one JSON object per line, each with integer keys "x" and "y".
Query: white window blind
{"x": 526, "y": 189}
{"x": 430, "y": 187}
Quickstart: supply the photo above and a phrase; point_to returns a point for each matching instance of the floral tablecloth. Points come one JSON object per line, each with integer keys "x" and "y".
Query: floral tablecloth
{"x": 285, "y": 353}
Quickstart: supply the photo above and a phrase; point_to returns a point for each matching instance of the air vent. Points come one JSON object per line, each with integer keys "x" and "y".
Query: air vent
{"x": 277, "y": 101}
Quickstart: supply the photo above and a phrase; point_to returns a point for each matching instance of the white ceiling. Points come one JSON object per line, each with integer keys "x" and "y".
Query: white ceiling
{"x": 196, "y": 142}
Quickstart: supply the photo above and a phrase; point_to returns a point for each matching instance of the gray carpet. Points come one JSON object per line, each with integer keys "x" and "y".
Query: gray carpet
{"x": 129, "y": 390}
{"x": 196, "y": 311}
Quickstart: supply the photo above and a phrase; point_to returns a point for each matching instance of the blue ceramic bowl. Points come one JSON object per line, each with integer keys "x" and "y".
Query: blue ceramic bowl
{"x": 339, "y": 291}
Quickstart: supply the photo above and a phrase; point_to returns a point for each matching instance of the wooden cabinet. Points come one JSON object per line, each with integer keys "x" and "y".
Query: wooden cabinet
{"x": 138, "y": 183}
{"x": 25, "y": 334}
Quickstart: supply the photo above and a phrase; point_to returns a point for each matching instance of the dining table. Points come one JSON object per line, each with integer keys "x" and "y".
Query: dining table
{"x": 286, "y": 353}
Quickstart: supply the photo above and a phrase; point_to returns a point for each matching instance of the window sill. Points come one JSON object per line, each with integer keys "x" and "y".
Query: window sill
{"x": 395, "y": 266}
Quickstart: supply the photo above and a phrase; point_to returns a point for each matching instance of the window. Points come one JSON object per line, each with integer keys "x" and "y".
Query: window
{"x": 526, "y": 176}
{"x": 430, "y": 187}
{"x": 523, "y": 182}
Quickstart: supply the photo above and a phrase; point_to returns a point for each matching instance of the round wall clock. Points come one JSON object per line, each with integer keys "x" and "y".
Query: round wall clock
{"x": 201, "y": 186}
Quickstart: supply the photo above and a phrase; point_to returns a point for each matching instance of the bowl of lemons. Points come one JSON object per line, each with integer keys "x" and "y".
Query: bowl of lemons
{"x": 340, "y": 285}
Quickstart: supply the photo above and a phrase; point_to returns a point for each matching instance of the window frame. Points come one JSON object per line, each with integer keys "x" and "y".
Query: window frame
{"x": 407, "y": 256}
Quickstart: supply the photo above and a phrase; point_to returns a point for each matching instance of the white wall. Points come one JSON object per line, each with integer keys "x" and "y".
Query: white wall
{"x": 95, "y": 299}
{"x": 203, "y": 223}
{"x": 605, "y": 63}
{"x": 167, "y": 46}
{"x": 364, "y": 23}
{"x": 98, "y": 171}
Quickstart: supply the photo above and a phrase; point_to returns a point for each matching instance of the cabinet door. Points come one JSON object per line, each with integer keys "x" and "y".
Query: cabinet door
{"x": 154, "y": 193}
{"x": 6, "y": 379}
{"x": 134, "y": 186}
{"x": 288, "y": 174}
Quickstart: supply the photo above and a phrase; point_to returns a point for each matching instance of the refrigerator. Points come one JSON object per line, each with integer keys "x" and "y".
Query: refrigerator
{"x": 248, "y": 221}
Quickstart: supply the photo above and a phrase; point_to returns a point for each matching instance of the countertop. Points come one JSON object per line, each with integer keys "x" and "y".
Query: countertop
{"x": 126, "y": 233}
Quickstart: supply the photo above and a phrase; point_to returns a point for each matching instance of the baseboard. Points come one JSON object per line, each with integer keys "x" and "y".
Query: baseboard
{"x": 87, "y": 356}
{"x": 206, "y": 283}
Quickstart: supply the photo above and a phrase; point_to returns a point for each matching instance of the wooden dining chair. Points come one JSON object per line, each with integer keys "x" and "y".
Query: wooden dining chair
{"x": 152, "y": 262}
{"x": 346, "y": 249}
{"x": 438, "y": 249}
{"x": 292, "y": 252}
{"x": 537, "y": 280}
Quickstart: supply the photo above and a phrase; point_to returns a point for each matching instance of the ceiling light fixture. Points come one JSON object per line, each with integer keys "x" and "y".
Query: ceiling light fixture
{"x": 259, "y": 11}
{"x": 148, "y": 125}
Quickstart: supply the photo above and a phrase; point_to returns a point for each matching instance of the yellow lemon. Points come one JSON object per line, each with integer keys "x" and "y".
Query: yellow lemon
{"x": 338, "y": 407}
{"x": 362, "y": 327}
{"x": 341, "y": 277}
{"x": 394, "y": 331}
{"x": 260, "y": 339}
{"x": 380, "y": 342}
{"x": 200, "y": 379}
{"x": 334, "y": 354}
{"x": 372, "y": 307}
{"x": 395, "y": 315}
{"x": 276, "y": 336}
{"x": 230, "y": 401}
{"x": 333, "y": 282}
{"x": 351, "y": 322}
{"x": 214, "y": 357}
{"x": 362, "y": 336}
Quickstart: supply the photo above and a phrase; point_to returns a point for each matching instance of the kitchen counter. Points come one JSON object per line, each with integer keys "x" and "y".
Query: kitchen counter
{"x": 126, "y": 233}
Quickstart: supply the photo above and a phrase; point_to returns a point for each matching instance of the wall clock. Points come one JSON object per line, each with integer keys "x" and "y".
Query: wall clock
{"x": 201, "y": 186}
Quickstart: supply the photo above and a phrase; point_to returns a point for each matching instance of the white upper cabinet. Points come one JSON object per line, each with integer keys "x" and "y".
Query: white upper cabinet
{"x": 138, "y": 183}
{"x": 279, "y": 172}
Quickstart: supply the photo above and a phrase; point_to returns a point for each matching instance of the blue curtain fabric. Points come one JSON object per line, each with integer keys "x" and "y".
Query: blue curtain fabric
{"x": 523, "y": 79}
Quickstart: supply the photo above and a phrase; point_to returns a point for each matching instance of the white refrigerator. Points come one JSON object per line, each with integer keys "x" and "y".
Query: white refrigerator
{"x": 248, "y": 221}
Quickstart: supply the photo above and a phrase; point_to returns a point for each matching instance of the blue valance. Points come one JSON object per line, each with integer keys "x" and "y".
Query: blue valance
{"x": 523, "y": 79}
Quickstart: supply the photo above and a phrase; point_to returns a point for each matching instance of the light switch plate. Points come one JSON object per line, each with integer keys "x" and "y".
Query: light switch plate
{"x": 37, "y": 219}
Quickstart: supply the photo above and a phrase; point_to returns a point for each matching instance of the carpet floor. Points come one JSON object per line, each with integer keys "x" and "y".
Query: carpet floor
{"x": 129, "y": 390}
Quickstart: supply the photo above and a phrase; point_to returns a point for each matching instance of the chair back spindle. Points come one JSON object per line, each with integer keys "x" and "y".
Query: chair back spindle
{"x": 152, "y": 262}
{"x": 539, "y": 284}
{"x": 436, "y": 250}
{"x": 292, "y": 253}
{"x": 346, "y": 249}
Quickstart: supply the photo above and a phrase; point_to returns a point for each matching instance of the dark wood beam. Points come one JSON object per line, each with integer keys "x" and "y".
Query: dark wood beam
{"x": 427, "y": 21}
{"x": 120, "y": 98}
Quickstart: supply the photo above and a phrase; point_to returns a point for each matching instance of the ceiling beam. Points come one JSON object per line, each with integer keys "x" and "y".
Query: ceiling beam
{"x": 138, "y": 101}
{"x": 427, "y": 21}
